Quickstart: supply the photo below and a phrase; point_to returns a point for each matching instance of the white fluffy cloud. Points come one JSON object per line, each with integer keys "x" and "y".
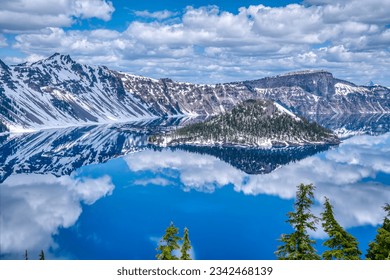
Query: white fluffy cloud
{"x": 365, "y": 11}
{"x": 3, "y": 41}
{"x": 154, "y": 181}
{"x": 345, "y": 175}
{"x": 209, "y": 45}
{"x": 33, "y": 207}
{"x": 26, "y": 15}
{"x": 160, "y": 15}
{"x": 93, "y": 8}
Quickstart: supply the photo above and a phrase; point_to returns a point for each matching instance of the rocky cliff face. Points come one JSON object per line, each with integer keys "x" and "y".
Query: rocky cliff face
{"x": 58, "y": 91}
{"x": 318, "y": 92}
{"x": 320, "y": 83}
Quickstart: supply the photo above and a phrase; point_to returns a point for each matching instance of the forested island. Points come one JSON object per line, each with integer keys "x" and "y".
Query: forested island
{"x": 253, "y": 123}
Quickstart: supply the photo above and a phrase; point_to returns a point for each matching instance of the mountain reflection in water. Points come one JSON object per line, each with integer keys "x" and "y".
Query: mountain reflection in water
{"x": 61, "y": 151}
{"x": 61, "y": 192}
{"x": 255, "y": 161}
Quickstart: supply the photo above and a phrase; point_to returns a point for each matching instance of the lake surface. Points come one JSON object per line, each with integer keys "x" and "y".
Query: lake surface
{"x": 102, "y": 192}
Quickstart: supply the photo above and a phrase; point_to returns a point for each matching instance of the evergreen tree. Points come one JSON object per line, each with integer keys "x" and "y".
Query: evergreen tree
{"x": 379, "y": 249}
{"x": 250, "y": 123}
{"x": 26, "y": 255}
{"x": 41, "y": 255}
{"x": 169, "y": 243}
{"x": 298, "y": 245}
{"x": 186, "y": 246}
{"x": 343, "y": 246}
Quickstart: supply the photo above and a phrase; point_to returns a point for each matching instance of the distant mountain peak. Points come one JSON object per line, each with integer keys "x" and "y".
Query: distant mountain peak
{"x": 54, "y": 55}
{"x": 58, "y": 55}
{"x": 56, "y": 58}
{"x": 371, "y": 84}
{"x": 4, "y": 66}
{"x": 305, "y": 72}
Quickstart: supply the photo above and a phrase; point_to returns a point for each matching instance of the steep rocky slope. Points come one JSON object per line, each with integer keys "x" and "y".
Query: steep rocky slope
{"x": 58, "y": 91}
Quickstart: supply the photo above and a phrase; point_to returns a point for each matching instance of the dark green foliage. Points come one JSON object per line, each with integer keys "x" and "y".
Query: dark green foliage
{"x": 298, "y": 245}
{"x": 41, "y": 255}
{"x": 379, "y": 249}
{"x": 342, "y": 245}
{"x": 251, "y": 123}
{"x": 169, "y": 243}
{"x": 186, "y": 246}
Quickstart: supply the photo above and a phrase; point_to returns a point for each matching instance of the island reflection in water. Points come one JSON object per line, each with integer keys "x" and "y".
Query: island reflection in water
{"x": 59, "y": 195}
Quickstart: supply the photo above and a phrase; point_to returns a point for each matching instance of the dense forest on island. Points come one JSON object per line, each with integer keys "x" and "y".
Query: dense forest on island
{"x": 251, "y": 123}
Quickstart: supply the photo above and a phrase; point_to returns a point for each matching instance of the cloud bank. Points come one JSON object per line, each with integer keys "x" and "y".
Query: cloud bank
{"x": 26, "y": 15}
{"x": 208, "y": 44}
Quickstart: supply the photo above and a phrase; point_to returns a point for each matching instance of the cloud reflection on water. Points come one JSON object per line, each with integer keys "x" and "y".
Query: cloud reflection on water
{"x": 355, "y": 176}
{"x": 34, "y": 207}
{"x": 347, "y": 175}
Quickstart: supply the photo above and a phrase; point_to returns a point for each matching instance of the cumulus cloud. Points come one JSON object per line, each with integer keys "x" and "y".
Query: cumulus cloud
{"x": 25, "y": 15}
{"x": 365, "y": 11}
{"x": 345, "y": 175}
{"x": 291, "y": 24}
{"x": 153, "y": 181}
{"x": 3, "y": 41}
{"x": 93, "y": 9}
{"x": 160, "y": 15}
{"x": 210, "y": 45}
{"x": 97, "y": 42}
{"x": 34, "y": 207}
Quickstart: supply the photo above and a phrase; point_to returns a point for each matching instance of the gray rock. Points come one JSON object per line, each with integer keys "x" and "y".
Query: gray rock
{"x": 58, "y": 91}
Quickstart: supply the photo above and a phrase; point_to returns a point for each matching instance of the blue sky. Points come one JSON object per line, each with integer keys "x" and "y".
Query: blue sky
{"x": 204, "y": 41}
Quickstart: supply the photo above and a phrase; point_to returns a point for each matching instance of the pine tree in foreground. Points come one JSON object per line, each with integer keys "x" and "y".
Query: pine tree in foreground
{"x": 41, "y": 255}
{"x": 186, "y": 246}
{"x": 298, "y": 245}
{"x": 379, "y": 249}
{"x": 343, "y": 246}
{"x": 169, "y": 243}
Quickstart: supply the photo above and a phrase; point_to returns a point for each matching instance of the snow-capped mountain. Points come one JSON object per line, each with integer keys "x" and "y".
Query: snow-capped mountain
{"x": 58, "y": 91}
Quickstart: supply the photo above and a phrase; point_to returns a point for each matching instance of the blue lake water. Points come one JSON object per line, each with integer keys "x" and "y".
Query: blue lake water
{"x": 102, "y": 192}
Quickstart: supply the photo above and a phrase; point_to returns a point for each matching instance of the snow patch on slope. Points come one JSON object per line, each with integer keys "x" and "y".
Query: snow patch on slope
{"x": 344, "y": 89}
{"x": 284, "y": 110}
